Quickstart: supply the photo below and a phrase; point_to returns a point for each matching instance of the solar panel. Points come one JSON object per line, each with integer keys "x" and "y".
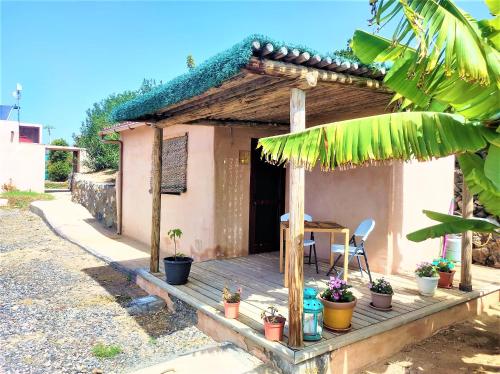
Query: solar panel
{"x": 5, "y": 111}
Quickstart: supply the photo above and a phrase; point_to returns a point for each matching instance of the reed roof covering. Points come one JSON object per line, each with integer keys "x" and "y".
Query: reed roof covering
{"x": 228, "y": 64}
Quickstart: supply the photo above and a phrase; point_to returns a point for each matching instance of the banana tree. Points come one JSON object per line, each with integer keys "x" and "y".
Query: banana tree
{"x": 445, "y": 72}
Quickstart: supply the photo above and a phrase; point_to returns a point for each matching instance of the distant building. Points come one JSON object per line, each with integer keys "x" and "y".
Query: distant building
{"x": 23, "y": 156}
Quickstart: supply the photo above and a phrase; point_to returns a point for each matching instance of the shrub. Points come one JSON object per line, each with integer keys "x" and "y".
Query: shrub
{"x": 59, "y": 170}
{"x": 426, "y": 269}
{"x": 381, "y": 286}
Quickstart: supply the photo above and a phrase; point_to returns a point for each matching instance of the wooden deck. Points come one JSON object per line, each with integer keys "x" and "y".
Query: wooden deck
{"x": 262, "y": 285}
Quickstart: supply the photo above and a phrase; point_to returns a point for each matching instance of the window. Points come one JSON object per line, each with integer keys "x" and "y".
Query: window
{"x": 174, "y": 165}
{"x": 29, "y": 134}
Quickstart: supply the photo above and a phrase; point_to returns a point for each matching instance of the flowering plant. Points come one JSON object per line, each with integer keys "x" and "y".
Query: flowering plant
{"x": 231, "y": 297}
{"x": 337, "y": 291}
{"x": 426, "y": 269}
{"x": 443, "y": 265}
{"x": 381, "y": 286}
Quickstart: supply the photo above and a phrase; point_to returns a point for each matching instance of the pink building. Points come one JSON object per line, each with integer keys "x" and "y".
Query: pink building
{"x": 22, "y": 155}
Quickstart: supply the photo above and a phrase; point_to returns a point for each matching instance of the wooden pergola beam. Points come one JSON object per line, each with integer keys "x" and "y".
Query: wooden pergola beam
{"x": 240, "y": 124}
{"x": 156, "y": 162}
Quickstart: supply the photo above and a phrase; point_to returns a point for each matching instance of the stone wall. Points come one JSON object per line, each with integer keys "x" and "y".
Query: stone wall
{"x": 98, "y": 197}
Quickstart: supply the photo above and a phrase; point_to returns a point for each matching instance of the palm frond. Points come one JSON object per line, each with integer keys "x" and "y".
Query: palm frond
{"x": 376, "y": 139}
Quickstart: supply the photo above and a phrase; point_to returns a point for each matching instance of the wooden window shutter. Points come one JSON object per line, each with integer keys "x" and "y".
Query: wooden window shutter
{"x": 174, "y": 165}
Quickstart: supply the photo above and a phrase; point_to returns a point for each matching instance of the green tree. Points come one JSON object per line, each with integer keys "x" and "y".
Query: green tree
{"x": 447, "y": 85}
{"x": 190, "y": 62}
{"x": 60, "y": 162}
{"x": 100, "y": 155}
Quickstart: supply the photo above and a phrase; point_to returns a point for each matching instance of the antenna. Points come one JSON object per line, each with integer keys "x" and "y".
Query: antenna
{"x": 17, "y": 96}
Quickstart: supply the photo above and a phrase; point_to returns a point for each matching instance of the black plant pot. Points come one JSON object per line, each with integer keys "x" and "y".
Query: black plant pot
{"x": 177, "y": 269}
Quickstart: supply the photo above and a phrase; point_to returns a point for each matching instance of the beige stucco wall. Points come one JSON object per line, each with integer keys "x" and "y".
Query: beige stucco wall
{"x": 192, "y": 211}
{"x": 22, "y": 164}
{"x": 232, "y": 188}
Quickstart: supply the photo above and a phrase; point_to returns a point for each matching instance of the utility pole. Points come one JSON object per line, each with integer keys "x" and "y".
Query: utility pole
{"x": 17, "y": 96}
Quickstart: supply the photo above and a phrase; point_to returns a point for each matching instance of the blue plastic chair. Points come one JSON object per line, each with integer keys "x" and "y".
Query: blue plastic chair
{"x": 307, "y": 242}
{"x": 355, "y": 249}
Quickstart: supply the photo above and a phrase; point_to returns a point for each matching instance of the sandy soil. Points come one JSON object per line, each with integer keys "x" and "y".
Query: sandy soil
{"x": 470, "y": 347}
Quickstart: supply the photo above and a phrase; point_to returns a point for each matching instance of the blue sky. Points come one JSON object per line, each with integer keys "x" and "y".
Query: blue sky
{"x": 70, "y": 54}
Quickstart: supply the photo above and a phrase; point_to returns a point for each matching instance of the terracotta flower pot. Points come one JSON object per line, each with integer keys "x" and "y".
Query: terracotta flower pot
{"x": 338, "y": 316}
{"x": 446, "y": 279}
{"x": 381, "y": 300}
{"x": 427, "y": 285}
{"x": 231, "y": 310}
{"x": 274, "y": 330}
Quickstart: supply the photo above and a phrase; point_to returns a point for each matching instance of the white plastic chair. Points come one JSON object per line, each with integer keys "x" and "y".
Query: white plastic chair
{"x": 355, "y": 250}
{"x": 307, "y": 242}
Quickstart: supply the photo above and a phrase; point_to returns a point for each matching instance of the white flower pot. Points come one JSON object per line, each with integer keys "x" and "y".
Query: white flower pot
{"x": 427, "y": 285}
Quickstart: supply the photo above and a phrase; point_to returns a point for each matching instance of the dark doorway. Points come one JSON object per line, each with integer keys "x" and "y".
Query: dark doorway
{"x": 267, "y": 203}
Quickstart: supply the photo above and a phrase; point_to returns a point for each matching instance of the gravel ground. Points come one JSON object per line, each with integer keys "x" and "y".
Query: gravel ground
{"x": 57, "y": 302}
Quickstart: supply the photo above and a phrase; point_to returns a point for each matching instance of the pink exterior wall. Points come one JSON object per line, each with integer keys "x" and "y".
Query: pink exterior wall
{"x": 192, "y": 211}
{"x": 214, "y": 212}
{"x": 22, "y": 164}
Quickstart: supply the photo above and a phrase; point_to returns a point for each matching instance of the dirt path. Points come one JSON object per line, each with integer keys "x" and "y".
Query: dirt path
{"x": 57, "y": 302}
{"x": 469, "y": 347}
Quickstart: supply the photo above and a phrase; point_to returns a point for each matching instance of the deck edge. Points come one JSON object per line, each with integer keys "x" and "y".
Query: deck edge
{"x": 356, "y": 336}
{"x": 277, "y": 348}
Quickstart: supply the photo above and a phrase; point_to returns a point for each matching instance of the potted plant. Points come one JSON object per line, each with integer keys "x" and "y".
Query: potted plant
{"x": 339, "y": 303}
{"x": 427, "y": 278}
{"x": 178, "y": 266}
{"x": 231, "y": 302}
{"x": 445, "y": 269}
{"x": 274, "y": 323}
{"x": 381, "y": 294}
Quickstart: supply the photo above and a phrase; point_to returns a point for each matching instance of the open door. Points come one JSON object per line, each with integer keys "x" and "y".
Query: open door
{"x": 267, "y": 203}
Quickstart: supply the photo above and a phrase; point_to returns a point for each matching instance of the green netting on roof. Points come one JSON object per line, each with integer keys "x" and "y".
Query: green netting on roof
{"x": 211, "y": 73}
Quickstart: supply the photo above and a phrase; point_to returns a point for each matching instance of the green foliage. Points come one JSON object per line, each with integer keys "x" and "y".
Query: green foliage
{"x": 402, "y": 136}
{"x": 451, "y": 225}
{"x": 426, "y": 269}
{"x": 101, "y": 350}
{"x": 211, "y": 73}
{"x": 270, "y": 314}
{"x": 443, "y": 265}
{"x": 100, "y": 155}
{"x": 190, "y": 62}
{"x": 59, "y": 164}
{"x": 59, "y": 171}
{"x": 22, "y": 199}
{"x": 381, "y": 285}
{"x": 175, "y": 234}
{"x": 231, "y": 297}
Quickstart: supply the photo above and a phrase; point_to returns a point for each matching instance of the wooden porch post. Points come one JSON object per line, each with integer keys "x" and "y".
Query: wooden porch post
{"x": 465, "y": 268}
{"x": 156, "y": 195}
{"x": 296, "y": 235}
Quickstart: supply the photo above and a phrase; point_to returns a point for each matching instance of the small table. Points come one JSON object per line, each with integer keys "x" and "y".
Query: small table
{"x": 315, "y": 226}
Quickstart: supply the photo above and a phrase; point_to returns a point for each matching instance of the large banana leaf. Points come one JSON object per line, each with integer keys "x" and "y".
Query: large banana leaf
{"x": 472, "y": 100}
{"x": 370, "y": 140}
{"x": 473, "y": 169}
{"x": 451, "y": 225}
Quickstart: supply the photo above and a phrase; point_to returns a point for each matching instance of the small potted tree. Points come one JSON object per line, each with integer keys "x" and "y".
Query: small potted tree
{"x": 381, "y": 294}
{"x": 339, "y": 303}
{"x": 178, "y": 266}
{"x": 445, "y": 269}
{"x": 274, "y": 323}
{"x": 231, "y": 302}
{"x": 427, "y": 278}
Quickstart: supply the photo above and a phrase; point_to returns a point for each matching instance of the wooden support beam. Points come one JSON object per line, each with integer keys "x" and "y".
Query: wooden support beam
{"x": 241, "y": 124}
{"x": 466, "y": 264}
{"x": 156, "y": 198}
{"x": 296, "y": 232}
